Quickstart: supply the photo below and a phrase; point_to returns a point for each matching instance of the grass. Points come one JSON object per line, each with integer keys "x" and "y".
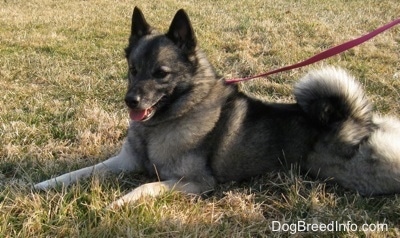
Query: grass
{"x": 62, "y": 83}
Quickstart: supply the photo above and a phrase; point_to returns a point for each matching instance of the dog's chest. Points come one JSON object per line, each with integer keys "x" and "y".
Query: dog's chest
{"x": 177, "y": 145}
{"x": 168, "y": 142}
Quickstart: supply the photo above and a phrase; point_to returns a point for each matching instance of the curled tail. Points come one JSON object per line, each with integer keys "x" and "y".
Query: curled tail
{"x": 333, "y": 98}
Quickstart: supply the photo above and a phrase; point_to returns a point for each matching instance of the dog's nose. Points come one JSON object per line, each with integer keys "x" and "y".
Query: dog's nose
{"x": 132, "y": 101}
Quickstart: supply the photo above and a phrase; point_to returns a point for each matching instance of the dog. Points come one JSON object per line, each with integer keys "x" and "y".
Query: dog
{"x": 191, "y": 130}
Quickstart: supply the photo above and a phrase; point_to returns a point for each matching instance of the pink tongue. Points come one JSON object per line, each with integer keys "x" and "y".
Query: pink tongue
{"x": 138, "y": 115}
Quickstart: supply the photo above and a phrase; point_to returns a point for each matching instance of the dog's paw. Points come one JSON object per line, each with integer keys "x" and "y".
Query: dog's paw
{"x": 42, "y": 186}
{"x": 148, "y": 189}
{"x": 45, "y": 185}
{"x": 128, "y": 198}
{"x": 116, "y": 204}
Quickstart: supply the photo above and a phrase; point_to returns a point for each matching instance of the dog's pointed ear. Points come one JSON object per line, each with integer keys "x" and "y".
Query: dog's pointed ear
{"x": 181, "y": 32}
{"x": 139, "y": 26}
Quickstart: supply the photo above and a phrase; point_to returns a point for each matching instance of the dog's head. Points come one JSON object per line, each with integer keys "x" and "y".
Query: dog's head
{"x": 163, "y": 69}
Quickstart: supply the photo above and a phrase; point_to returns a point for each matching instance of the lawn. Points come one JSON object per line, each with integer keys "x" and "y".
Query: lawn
{"x": 62, "y": 83}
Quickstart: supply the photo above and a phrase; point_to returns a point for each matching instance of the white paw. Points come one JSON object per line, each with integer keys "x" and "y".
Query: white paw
{"x": 148, "y": 189}
{"x": 45, "y": 185}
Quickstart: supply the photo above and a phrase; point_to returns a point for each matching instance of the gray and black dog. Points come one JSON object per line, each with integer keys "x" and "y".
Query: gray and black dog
{"x": 191, "y": 130}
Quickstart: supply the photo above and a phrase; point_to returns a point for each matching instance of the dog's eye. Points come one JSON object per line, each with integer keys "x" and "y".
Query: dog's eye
{"x": 160, "y": 73}
{"x": 132, "y": 70}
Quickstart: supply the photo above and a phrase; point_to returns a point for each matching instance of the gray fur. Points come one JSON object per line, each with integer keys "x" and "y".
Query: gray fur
{"x": 192, "y": 131}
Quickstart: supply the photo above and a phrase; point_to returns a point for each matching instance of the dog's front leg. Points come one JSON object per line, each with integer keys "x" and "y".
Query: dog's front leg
{"x": 125, "y": 161}
{"x": 156, "y": 189}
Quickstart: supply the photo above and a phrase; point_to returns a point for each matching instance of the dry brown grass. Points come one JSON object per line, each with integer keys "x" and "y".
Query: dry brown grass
{"x": 62, "y": 76}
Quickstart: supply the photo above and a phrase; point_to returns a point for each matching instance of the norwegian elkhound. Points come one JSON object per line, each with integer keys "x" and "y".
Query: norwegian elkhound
{"x": 191, "y": 130}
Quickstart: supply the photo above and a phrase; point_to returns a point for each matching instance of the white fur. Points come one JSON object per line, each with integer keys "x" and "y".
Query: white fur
{"x": 123, "y": 162}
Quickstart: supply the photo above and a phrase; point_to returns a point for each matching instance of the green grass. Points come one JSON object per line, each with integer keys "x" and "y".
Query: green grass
{"x": 62, "y": 81}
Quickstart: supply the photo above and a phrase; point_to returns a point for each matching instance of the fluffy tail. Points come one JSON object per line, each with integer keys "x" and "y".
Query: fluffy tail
{"x": 332, "y": 97}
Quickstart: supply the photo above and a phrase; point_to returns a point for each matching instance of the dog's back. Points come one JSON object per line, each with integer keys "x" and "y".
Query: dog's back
{"x": 253, "y": 138}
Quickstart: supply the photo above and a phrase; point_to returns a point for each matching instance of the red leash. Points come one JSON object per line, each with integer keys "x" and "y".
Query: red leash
{"x": 323, "y": 55}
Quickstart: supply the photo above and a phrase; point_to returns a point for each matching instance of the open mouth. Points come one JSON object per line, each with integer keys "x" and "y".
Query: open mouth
{"x": 141, "y": 115}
